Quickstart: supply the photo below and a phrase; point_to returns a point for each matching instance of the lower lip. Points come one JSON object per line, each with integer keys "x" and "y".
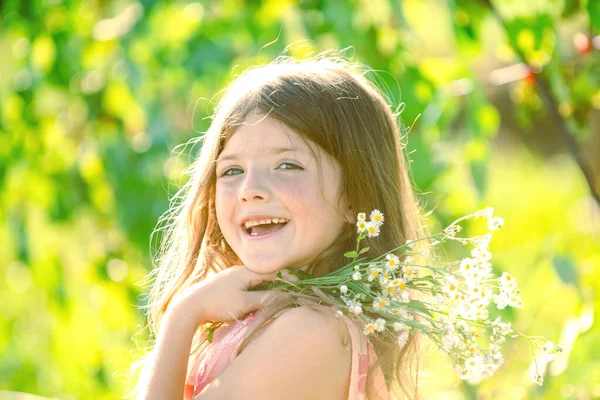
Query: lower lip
{"x": 265, "y": 236}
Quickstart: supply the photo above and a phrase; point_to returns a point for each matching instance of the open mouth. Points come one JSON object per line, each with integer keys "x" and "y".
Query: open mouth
{"x": 264, "y": 229}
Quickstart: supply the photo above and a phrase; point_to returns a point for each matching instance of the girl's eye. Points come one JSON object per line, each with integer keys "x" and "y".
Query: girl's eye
{"x": 294, "y": 166}
{"x": 228, "y": 170}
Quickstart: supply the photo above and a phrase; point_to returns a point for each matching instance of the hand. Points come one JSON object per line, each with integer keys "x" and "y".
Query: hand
{"x": 224, "y": 296}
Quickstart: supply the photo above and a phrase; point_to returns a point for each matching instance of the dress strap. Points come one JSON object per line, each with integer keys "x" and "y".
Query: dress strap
{"x": 363, "y": 357}
{"x": 213, "y": 357}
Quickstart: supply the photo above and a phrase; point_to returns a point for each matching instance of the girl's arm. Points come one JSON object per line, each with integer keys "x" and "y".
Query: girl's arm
{"x": 222, "y": 297}
{"x": 164, "y": 377}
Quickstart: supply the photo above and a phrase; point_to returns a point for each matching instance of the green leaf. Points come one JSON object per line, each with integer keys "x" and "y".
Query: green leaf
{"x": 467, "y": 17}
{"x": 570, "y": 8}
{"x": 566, "y": 270}
{"x": 211, "y": 332}
{"x": 593, "y": 9}
{"x": 416, "y": 304}
{"x": 530, "y": 34}
{"x": 351, "y": 254}
{"x": 301, "y": 274}
{"x": 364, "y": 250}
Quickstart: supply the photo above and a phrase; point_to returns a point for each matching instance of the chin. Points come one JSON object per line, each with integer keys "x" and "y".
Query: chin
{"x": 263, "y": 267}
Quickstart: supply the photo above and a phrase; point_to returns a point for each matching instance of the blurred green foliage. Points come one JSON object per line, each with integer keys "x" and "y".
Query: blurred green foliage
{"x": 95, "y": 95}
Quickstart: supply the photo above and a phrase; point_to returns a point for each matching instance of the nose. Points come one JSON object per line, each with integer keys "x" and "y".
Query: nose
{"x": 255, "y": 187}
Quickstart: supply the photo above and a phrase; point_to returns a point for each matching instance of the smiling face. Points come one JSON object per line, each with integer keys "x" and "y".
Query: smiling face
{"x": 258, "y": 179}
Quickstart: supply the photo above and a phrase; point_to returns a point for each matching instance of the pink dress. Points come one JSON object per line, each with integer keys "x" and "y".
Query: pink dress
{"x": 212, "y": 359}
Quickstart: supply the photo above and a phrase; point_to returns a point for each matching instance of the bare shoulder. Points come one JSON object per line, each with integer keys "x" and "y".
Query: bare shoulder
{"x": 301, "y": 355}
{"x": 320, "y": 326}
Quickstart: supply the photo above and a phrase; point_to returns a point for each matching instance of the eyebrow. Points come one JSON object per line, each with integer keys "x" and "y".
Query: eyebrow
{"x": 273, "y": 150}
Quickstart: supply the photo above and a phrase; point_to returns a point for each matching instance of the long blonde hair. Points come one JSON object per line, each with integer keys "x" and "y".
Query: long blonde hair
{"x": 328, "y": 101}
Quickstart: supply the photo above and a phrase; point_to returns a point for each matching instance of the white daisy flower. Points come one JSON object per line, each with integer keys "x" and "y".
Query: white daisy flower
{"x": 495, "y": 223}
{"x": 396, "y": 282}
{"x": 487, "y": 212}
{"x": 392, "y": 261}
{"x": 402, "y": 339}
{"x": 377, "y": 217}
{"x": 500, "y": 300}
{"x": 361, "y": 226}
{"x": 389, "y": 290}
{"x": 483, "y": 242}
{"x": 504, "y": 328}
{"x": 473, "y": 363}
{"x": 361, "y": 217}
{"x": 401, "y": 284}
{"x": 369, "y": 328}
{"x": 373, "y": 273}
{"x": 404, "y": 296}
{"x": 357, "y": 276}
{"x": 481, "y": 254}
{"x": 372, "y": 229}
{"x": 450, "y": 288}
{"x": 409, "y": 273}
{"x": 450, "y": 340}
{"x": 456, "y": 296}
{"x": 507, "y": 282}
{"x": 515, "y": 301}
{"x": 380, "y": 324}
{"x": 467, "y": 267}
{"x": 385, "y": 277}
{"x": 399, "y": 326}
{"x": 380, "y": 303}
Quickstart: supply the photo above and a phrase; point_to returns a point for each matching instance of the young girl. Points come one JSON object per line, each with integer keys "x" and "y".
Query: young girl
{"x": 296, "y": 149}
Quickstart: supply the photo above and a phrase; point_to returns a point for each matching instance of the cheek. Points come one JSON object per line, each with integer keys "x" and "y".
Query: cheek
{"x": 222, "y": 205}
{"x": 301, "y": 196}
{"x": 311, "y": 207}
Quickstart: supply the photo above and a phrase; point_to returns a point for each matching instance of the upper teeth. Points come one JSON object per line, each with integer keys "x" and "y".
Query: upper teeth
{"x": 249, "y": 224}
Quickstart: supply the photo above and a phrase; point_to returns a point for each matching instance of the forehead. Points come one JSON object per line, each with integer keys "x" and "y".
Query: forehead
{"x": 259, "y": 135}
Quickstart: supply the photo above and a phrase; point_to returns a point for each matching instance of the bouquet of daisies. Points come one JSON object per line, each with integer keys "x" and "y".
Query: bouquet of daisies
{"x": 397, "y": 296}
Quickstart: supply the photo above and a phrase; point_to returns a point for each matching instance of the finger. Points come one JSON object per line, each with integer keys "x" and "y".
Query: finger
{"x": 288, "y": 276}
{"x": 253, "y": 278}
{"x": 248, "y": 277}
{"x": 260, "y": 298}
